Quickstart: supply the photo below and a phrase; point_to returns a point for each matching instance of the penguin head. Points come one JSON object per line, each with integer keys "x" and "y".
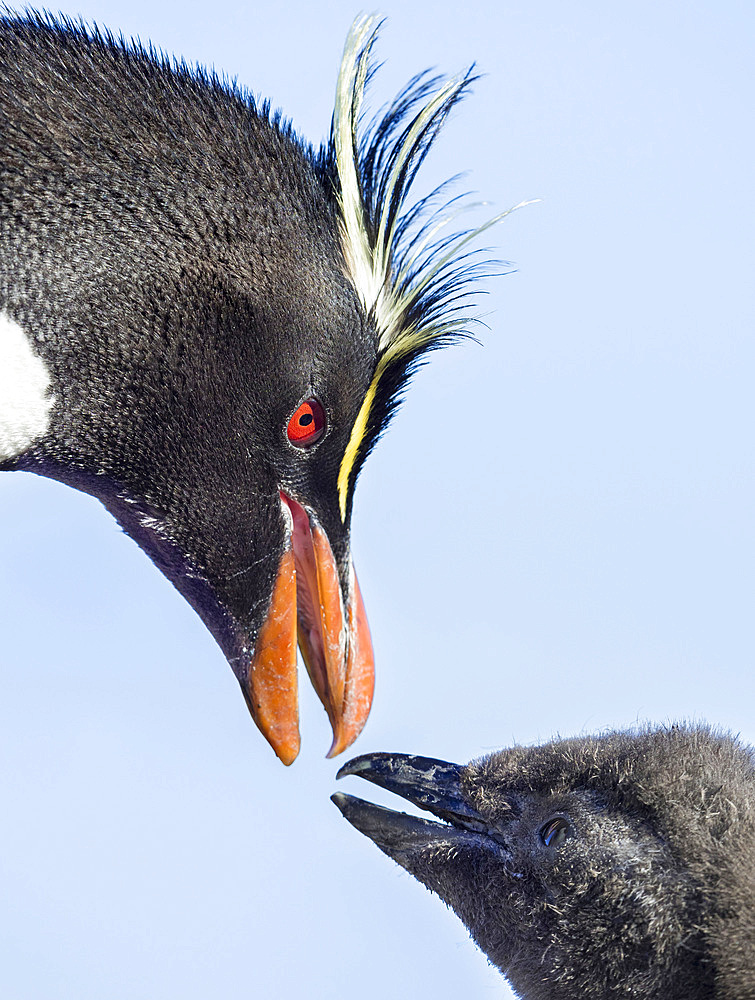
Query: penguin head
{"x": 228, "y": 318}
{"x": 230, "y": 483}
{"x": 592, "y": 867}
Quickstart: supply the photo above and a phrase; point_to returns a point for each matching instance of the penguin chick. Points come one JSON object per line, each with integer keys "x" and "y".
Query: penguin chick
{"x": 620, "y": 865}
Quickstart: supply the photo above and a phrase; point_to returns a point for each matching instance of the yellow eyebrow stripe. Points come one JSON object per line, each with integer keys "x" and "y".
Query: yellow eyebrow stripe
{"x": 357, "y": 436}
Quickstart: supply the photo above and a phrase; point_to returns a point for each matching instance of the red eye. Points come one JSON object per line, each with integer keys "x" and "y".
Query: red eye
{"x": 307, "y": 425}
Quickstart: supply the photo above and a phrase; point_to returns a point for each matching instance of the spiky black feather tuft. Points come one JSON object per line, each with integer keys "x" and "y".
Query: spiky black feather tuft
{"x": 416, "y": 284}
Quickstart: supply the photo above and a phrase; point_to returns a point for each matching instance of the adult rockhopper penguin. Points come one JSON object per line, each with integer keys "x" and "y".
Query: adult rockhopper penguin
{"x": 206, "y": 324}
{"x": 616, "y": 866}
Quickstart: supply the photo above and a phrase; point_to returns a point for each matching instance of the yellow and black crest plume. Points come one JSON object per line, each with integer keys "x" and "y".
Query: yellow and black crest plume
{"x": 413, "y": 281}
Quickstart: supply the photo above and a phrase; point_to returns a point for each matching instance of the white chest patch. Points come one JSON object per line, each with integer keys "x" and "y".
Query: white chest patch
{"x": 25, "y": 401}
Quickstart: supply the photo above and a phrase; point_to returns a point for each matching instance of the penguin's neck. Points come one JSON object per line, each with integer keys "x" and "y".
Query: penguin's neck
{"x": 25, "y": 398}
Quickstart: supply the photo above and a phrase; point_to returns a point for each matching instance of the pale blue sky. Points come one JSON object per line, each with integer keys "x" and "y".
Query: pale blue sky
{"x": 555, "y": 536}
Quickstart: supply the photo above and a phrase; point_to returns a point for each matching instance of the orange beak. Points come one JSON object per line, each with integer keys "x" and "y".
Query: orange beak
{"x": 333, "y": 635}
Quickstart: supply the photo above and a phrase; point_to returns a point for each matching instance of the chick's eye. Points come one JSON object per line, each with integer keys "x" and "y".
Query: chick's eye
{"x": 307, "y": 424}
{"x": 555, "y": 831}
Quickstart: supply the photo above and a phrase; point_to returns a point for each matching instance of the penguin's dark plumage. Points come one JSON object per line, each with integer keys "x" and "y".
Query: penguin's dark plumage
{"x": 206, "y": 324}
{"x": 620, "y": 865}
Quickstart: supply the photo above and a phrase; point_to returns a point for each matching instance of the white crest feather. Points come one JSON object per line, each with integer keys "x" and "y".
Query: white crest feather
{"x": 390, "y": 273}
{"x": 414, "y": 282}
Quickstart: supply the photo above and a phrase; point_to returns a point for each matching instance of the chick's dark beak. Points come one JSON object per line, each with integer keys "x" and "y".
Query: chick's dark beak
{"x": 308, "y": 605}
{"x": 433, "y": 785}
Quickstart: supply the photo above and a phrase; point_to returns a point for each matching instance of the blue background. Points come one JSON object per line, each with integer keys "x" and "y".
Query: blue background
{"x": 555, "y": 536}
